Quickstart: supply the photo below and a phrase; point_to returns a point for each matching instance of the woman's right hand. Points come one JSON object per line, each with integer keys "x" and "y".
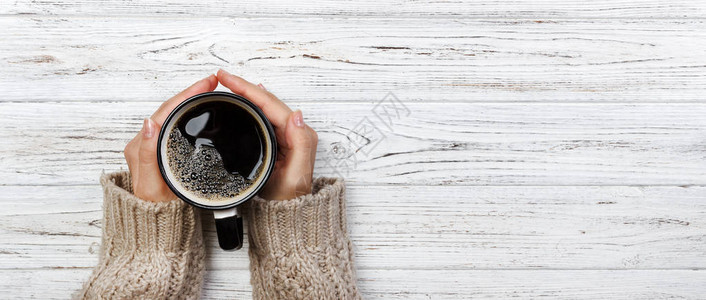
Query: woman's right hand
{"x": 294, "y": 168}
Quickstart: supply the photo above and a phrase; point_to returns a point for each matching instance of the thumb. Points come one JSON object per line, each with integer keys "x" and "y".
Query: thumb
{"x": 151, "y": 185}
{"x": 301, "y": 153}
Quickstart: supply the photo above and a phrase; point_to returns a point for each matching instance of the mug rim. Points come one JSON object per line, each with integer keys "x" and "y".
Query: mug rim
{"x": 268, "y": 169}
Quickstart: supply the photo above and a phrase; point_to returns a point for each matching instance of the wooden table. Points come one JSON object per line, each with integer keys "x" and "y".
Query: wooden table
{"x": 492, "y": 149}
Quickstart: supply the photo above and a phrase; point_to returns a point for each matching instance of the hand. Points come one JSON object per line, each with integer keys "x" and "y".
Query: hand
{"x": 294, "y": 167}
{"x": 141, "y": 151}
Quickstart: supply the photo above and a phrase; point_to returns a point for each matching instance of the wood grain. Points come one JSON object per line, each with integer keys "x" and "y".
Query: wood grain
{"x": 435, "y": 144}
{"x": 551, "y": 149}
{"x": 426, "y": 8}
{"x": 417, "y": 228}
{"x": 422, "y": 284}
{"x": 356, "y": 60}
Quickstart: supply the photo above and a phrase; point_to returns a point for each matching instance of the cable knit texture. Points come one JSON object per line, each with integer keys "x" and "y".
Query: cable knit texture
{"x": 299, "y": 248}
{"x": 148, "y": 250}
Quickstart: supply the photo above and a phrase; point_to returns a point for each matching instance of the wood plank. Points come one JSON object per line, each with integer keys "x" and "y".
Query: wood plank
{"x": 430, "y": 144}
{"x": 417, "y": 228}
{"x": 430, "y": 9}
{"x": 356, "y": 59}
{"x": 420, "y": 284}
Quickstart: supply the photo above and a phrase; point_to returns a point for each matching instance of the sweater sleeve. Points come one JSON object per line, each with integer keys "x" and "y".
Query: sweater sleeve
{"x": 148, "y": 250}
{"x": 299, "y": 248}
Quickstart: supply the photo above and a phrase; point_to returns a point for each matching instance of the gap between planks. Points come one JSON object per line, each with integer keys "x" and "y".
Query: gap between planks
{"x": 538, "y": 19}
{"x": 363, "y": 184}
{"x": 246, "y": 268}
{"x": 353, "y": 101}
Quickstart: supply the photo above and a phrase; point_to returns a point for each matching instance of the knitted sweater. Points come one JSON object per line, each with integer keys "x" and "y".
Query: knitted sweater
{"x": 299, "y": 248}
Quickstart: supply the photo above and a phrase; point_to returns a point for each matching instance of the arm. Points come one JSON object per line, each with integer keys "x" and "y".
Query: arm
{"x": 299, "y": 248}
{"x": 152, "y": 246}
{"x": 149, "y": 250}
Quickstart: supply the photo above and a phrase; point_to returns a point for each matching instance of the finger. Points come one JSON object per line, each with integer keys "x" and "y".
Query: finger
{"x": 302, "y": 142}
{"x": 151, "y": 185}
{"x": 130, "y": 153}
{"x": 207, "y": 84}
{"x": 275, "y": 110}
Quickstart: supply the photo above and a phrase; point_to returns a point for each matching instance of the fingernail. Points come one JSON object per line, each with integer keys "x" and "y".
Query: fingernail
{"x": 224, "y": 71}
{"x": 261, "y": 86}
{"x": 298, "y": 118}
{"x": 148, "y": 128}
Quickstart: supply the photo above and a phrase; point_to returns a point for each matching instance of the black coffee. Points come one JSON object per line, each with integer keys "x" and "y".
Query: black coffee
{"x": 216, "y": 150}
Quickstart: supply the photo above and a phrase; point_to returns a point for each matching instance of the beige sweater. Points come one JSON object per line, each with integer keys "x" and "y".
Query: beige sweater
{"x": 299, "y": 248}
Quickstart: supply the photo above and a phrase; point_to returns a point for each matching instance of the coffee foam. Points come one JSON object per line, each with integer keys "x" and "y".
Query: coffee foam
{"x": 200, "y": 169}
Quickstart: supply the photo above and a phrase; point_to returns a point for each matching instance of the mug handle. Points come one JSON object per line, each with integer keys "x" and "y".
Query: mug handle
{"x": 229, "y": 227}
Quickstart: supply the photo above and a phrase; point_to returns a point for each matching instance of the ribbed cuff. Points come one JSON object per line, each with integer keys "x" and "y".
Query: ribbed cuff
{"x": 132, "y": 224}
{"x": 314, "y": 222}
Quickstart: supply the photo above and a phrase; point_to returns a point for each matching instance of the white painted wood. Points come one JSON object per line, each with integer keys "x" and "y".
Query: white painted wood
{"x": 347, "y": 59}
{"x": 553, "y": 149}
{"x": 417, "y": 228}
{"x": 436, "y": 144}
{"x": 421, "y": 284}
{"x": 429, "y": 9}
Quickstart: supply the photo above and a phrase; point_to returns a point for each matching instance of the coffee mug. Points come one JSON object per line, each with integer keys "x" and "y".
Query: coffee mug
{"x": 216, "y": 151}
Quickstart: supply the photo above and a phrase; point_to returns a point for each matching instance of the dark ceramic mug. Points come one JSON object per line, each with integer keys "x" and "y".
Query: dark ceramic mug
{"x": 229, "y": 224}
